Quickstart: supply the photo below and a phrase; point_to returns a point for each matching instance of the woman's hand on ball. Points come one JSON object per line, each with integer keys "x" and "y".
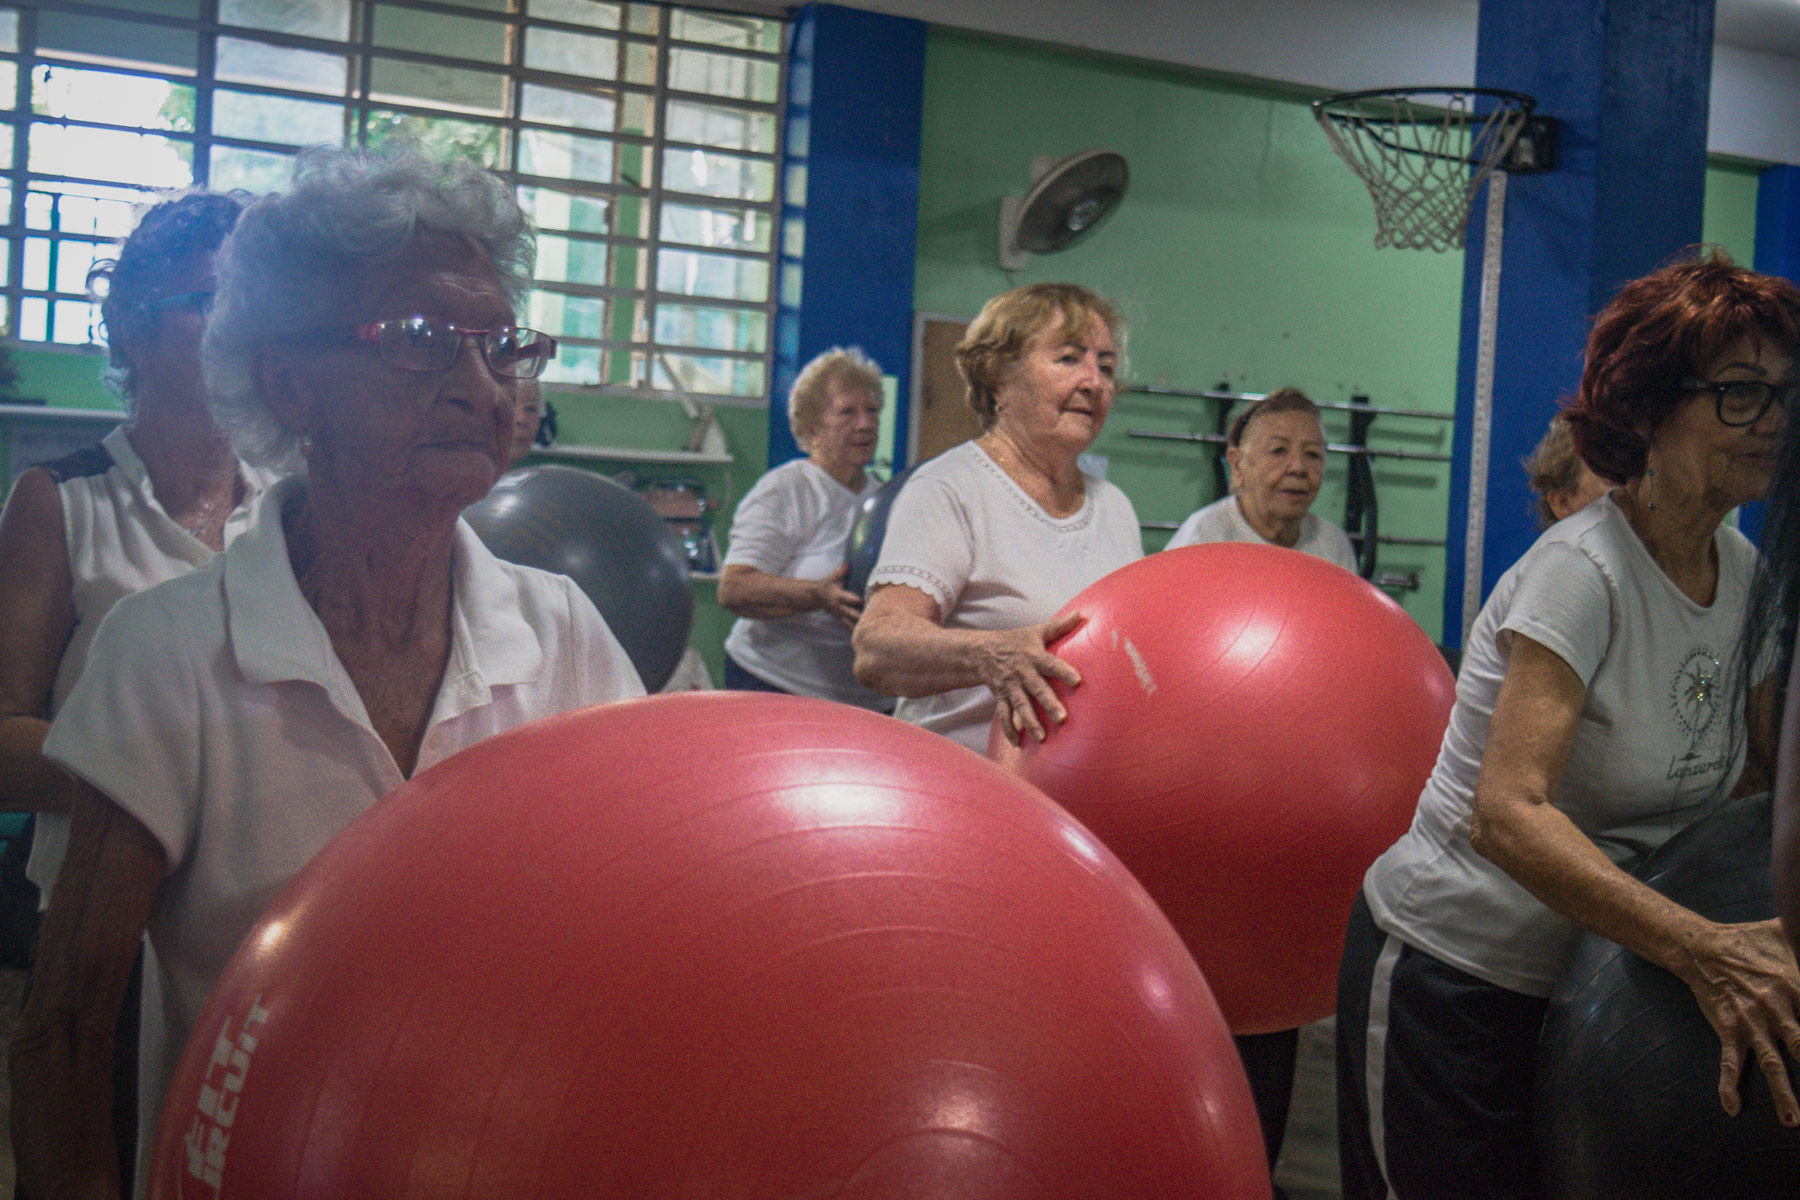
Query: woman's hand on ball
{"x": 1747, "y": 984}
{"x": 830, "y": 595}
{"x": 1018, "y": 666}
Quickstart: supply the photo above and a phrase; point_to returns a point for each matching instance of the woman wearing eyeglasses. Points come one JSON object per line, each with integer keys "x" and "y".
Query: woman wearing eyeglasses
{"x": 1593, "y": 720}
{"x": 237, "y": 718}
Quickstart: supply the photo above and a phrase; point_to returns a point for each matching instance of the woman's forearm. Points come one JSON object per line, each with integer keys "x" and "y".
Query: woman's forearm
{"x": 760, "y": 596}
{"x": 29, "y": 782}
{"x": 904, "y": 654}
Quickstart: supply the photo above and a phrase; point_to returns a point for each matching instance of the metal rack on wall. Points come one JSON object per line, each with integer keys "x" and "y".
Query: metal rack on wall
{"x": 1361, "y": 504}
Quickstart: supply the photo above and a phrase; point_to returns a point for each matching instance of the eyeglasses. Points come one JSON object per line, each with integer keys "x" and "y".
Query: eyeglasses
{"x": 425, "y": 344}
{"x": 200, "y": 302}
{"x": 1743, "y": 401}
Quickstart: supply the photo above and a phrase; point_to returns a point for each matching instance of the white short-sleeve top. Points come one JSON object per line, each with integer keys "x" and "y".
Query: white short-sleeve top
{"x": 965, "y": 534}
{"x": 120, "y": 541}
{"x": 1223, "y": 521}
{"x": 217, "y": 713}
{"x": 1654, "y": 749}
{"x": 796, "y": 523}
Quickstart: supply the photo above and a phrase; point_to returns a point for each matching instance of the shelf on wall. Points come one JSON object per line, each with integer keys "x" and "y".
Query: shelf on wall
{"x": 47, "y": 412}
{"x": 633, "y": 454}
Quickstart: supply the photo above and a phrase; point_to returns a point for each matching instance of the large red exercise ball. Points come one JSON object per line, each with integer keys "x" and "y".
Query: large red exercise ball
{"x": 1253, "y": 727}
{"x": 1627, "y": 1087}
{"x": 737, "y": 946}
{"x": 609, "y": 540}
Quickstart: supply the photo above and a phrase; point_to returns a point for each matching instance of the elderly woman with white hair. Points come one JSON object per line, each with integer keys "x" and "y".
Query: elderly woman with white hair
{"x": 785, "y": 564}
{"x": 231, "y": 721}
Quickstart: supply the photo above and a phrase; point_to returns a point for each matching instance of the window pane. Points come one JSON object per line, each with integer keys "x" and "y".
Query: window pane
{"x": 571, "y": 260}
{"x": 9, "y": 83}
{"x": 276, "y": 118}
{"x": 440, "y": 137}
{"x": 117, "y": 43}
{"x": 77, "y": 322}
{"x": 429, "y": 86}
{"x": 725, "y": 29}
{"x": 686, "y": 273}
{"x": 716, "y": 228}
{"x": 722, "y": 75}
{"x": 565, "y": 156}
{"x": 554, "y": 106}
{"x": 309, "y": 18}
{"x": 568, "y": 316}
{"x": 712, "y": 376}
{"x": 73, "y": 261}
{"x": 255, "y": 171}
{"x": 112, "y": 154}
{"x": 34, "y": 319}
{"x": 551, "y": 209}
{"x": 577, "y": 12}
{"x": 640, "y": 63}
{"x": 35, "y": 265}
{"x": 440, "y": 33}
{"x": 726, "y": 128}
{"x": 571, "y": 53}
{"x": 279, "y": 66}
{"x": 9, "y": 29}
{"x": 712, "y": 328}
{"x": 713, "y": 174}
{"x": 115, "y": 99}
{"x": 574, "y": 364}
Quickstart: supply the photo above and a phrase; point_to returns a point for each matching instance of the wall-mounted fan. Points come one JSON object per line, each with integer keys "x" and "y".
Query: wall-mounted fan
{"x": 1069, "y": 198}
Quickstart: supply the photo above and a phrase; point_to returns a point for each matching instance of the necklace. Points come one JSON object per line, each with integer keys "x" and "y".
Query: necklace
{"x": 197, "y": 525}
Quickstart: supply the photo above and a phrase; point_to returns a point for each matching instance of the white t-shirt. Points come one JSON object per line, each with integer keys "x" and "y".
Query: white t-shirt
{"x": 217, "y": 713}
{"x": 965, "y": 534}
{"x": 796, "y": 523}
{"x": 119, "y": 541}
{"x": 1653, "y": 750}
{"x": 1223, "y": 521}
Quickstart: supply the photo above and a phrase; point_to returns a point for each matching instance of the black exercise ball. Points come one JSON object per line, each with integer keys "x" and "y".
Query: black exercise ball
{"x": 1627, "y": 1101}
{"x": 607, "y": 539}
{"x": 868, "y": 532}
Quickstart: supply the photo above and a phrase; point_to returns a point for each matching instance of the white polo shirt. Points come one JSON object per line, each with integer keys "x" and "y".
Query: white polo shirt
{"x": 1223, "y": 521}
{"x": 215, "y": 711}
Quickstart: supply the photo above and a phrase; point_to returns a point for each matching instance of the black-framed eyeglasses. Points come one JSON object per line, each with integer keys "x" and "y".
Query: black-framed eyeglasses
{"x": 200, "y": 301}
{"x": 1742, "y": 402}
{"x": 427, "y": 344}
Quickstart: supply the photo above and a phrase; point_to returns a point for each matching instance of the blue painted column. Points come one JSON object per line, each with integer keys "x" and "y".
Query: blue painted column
{"x": 1628, "y": 82}
{"x": 1777, "y": 253}
{"x": 850, "y": 170}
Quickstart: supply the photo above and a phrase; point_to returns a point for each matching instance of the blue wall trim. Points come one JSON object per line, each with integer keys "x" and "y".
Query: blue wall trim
{"x": 850, "y": 169}
{"x": 1628, "y": 82}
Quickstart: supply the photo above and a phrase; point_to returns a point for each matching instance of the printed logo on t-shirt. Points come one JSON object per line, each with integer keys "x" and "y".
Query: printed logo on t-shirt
{"x": 1694, "y": 696}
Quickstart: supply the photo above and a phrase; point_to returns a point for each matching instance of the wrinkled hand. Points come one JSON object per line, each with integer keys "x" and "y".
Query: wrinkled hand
{"x": 1749, "y": 989}
{"x": 1017, "y": 666}
{"x": 829, "y": 594}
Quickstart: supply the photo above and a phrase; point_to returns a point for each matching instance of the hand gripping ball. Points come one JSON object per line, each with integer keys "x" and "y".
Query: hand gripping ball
{"x": 732, "y": 946}
{"x": 1253, "y": 727}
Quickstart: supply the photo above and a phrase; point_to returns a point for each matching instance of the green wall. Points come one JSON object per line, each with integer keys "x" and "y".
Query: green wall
{"x": 1243, "y": 254}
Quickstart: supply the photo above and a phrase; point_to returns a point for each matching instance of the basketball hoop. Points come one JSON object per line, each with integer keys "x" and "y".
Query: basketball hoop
{"x": 1423, "y": 153}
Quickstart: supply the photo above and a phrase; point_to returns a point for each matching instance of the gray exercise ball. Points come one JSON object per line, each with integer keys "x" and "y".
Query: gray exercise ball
{"x": 607, "y": 539}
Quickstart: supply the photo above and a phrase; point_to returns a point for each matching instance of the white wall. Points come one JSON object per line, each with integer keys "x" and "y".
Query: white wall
{"x": 1340, "y": 45}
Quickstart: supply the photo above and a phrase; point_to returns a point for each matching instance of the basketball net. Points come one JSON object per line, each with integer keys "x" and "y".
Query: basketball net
{"x": 1422, "y": 162}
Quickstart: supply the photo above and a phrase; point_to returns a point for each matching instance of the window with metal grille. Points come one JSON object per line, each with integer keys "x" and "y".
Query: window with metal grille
{"x": 642, "y": 139}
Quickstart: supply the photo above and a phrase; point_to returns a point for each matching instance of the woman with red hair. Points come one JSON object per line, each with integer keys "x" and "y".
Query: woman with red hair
{"x": 1593, "y": 721}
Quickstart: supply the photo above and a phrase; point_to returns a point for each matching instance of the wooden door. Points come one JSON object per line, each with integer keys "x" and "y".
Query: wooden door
{"x": 945, "y": 418}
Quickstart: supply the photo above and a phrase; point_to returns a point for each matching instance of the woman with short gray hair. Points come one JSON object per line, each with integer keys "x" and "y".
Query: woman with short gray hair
{"x": 785, "y": 563}
{"x": 233, "y": 720}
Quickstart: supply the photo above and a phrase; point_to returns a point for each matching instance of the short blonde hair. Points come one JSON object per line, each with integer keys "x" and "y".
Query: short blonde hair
{"x": 1554, "y": 468}
{"x": 991, "y": 349}
{"x": 845, "y": 366}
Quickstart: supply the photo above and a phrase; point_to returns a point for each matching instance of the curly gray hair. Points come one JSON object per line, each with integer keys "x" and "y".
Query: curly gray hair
{"x": 281, "y": 271}
{"x": 845, "y": 366}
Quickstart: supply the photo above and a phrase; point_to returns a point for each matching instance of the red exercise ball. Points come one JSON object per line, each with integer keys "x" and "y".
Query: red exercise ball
{"x": 1252, "y": 729}
{"x": 738, "y": 946}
